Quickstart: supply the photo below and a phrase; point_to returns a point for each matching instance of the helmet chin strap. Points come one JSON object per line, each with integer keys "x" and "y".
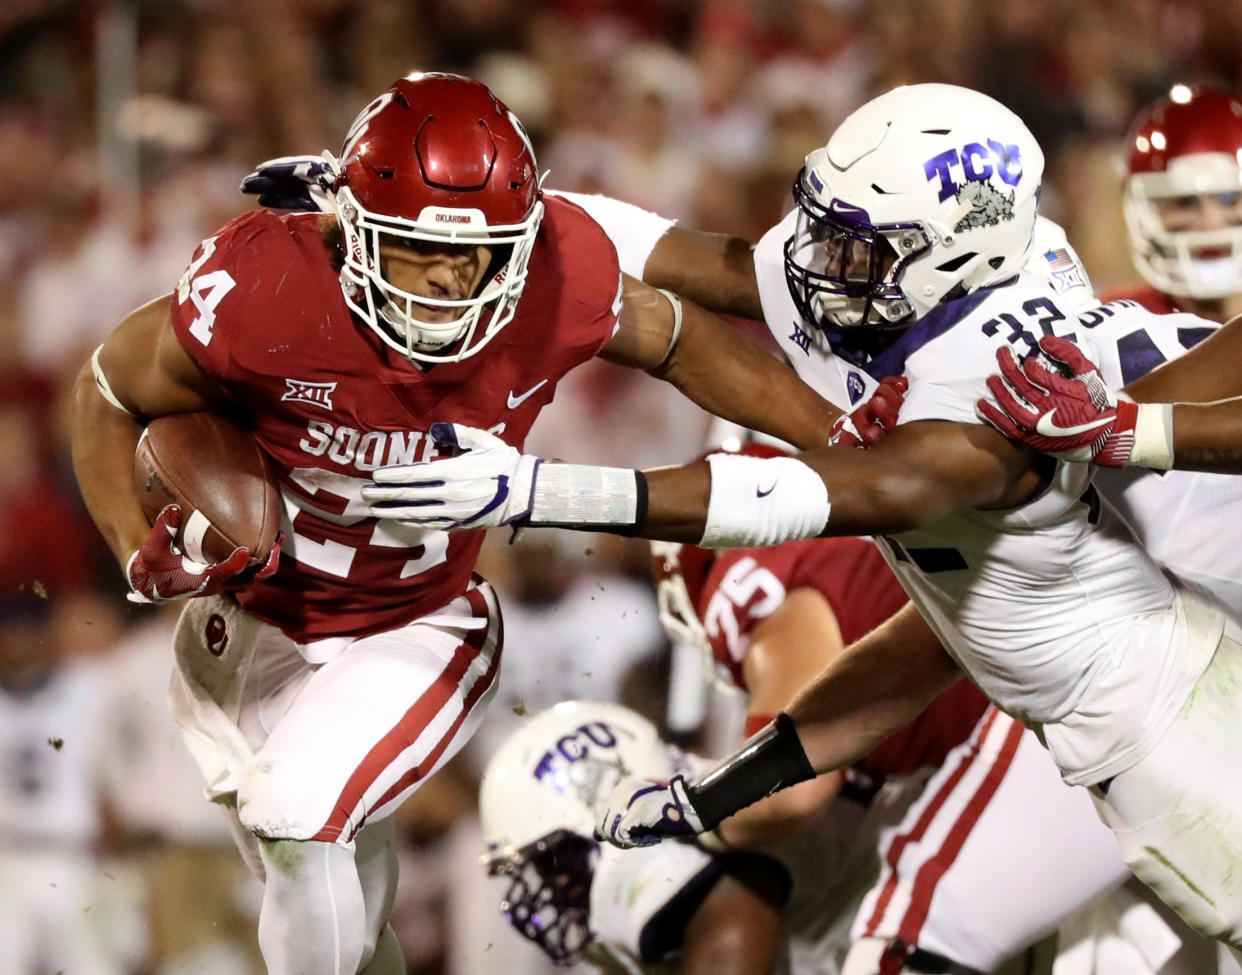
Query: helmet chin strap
{"x": 412, "y": 330}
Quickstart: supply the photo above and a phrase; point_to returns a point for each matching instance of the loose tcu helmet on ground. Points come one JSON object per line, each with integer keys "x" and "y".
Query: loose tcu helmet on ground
{"x": 925, "y": 193}
{"x": 537, "y": 805}
{"x": 1186, "y": 153}
{"x": 437, "y": 159}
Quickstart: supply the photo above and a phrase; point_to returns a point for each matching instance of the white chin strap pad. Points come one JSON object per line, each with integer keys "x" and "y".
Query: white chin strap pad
{"x": 758, "y": 501}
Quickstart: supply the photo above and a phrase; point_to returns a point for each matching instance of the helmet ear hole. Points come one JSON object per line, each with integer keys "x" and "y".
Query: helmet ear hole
{"x": 952, "y": 265}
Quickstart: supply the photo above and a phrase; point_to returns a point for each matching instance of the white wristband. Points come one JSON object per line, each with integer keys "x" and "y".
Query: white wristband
{"x": 678, "y": 315}
{"x": 758, "y": 501}
{"x": 582, "y": 496}
{"x": 1153, "y": 437}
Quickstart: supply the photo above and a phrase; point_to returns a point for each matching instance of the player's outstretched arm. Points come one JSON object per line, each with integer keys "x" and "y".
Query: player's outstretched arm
{"x": 1211, "y": 371}
{"x": 1072, "y": 416}
{"x": 716, "y": 366}
{"x": 879, "y": 684}
{"x": 787, "y": 650}
{"x": 917, "y": 474}
{"x": 715, "y": 271}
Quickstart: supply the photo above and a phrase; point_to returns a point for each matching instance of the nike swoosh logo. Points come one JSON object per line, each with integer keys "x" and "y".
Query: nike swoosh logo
{"x": 1046, "y": 427}
{"x": 760, "y": 493}
{"x": 516, "y": 401}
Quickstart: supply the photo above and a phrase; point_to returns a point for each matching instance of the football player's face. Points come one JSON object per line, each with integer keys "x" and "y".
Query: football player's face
{"x": 847, "y": 258}
{"x": 449, "y": 272}
{"x": 1201, "y": 212}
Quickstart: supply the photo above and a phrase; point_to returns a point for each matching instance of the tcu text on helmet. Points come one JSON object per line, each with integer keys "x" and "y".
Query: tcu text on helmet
{"x": 574, "y": 747}
{"x": 975, "y": 161}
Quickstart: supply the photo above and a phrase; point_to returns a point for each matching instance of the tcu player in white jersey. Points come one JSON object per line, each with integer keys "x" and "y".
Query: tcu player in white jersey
{"x": 914, "y": 224}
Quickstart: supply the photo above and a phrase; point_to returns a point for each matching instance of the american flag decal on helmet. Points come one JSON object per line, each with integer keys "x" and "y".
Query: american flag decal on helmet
{"x": 317, "y": 394}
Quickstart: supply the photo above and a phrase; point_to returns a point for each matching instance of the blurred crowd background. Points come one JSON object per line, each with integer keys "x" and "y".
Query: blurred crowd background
{"x": 126, "y": 128}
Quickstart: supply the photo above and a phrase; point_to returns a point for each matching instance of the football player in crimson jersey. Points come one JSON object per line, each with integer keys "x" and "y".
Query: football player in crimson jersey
{"x": 318, "y": 692}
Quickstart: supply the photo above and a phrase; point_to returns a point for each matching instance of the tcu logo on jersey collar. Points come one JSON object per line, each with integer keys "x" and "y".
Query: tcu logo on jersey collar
{"x": 976, "y": 161}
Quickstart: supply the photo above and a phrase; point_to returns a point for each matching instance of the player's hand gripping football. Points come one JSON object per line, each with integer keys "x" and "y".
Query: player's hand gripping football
{"x": 1069, "y": 414}
{"x": 639, "y": 812}
{"x": 868, "y": 424}
{"x": 159, "y": 572}
{"x": 486, "y": 484}
{"x": 294, "y": 182}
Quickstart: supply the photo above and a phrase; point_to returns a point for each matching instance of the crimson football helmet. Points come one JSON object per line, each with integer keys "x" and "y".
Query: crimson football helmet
{"x": 437, "y": 160}
{"x": 1183, "y": 193}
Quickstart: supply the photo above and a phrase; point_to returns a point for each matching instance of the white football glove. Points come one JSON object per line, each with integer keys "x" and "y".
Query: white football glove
{"x": 487, "y": 485}
{"x": 295, "y": 182}
{"x": 639, "y": 812}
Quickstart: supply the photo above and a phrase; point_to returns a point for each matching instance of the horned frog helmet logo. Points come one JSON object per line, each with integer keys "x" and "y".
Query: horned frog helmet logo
{"x": 988, "y": 205}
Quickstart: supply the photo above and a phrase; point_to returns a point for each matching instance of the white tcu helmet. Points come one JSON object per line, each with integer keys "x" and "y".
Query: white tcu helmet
{"x": 537, "y": 804}
{"x": 925, "y": 193}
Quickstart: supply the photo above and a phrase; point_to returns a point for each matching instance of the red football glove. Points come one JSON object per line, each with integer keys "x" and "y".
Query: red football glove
{"x": 159, "y": 572}
{"x": 866, "y": 426}
{"x": 1074, "y": 418}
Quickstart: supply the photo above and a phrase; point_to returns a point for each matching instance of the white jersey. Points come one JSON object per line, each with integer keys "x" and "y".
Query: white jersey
{"x": 1182, "y": 517}
{"x": 1050, "y": 607}
{"x": 634, "y": 232}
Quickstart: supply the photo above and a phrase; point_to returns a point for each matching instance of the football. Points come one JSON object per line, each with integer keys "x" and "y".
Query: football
{"x": 224, "y": 483}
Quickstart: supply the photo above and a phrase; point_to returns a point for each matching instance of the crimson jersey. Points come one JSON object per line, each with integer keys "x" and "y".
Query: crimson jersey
{"x": 261, "y": 312}
{"x": 1156, "y": 302}
{"x": 745, "y": 586}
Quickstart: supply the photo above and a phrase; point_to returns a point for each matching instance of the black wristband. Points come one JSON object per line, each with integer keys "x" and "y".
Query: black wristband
{"x": 770, "y": 760}
{"x": 640, "y": 508}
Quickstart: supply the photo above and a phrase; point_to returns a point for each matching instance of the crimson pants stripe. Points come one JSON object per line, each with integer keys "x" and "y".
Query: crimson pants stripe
{"x": 411, "y": 724}
{"x": 426, "y": 765}
{"x": 898, "y": 846}
{"x": 934, "y": 869}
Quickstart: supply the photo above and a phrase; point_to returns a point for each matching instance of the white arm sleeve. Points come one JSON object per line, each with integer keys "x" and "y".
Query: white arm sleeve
{"x": 634, "y": 232}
